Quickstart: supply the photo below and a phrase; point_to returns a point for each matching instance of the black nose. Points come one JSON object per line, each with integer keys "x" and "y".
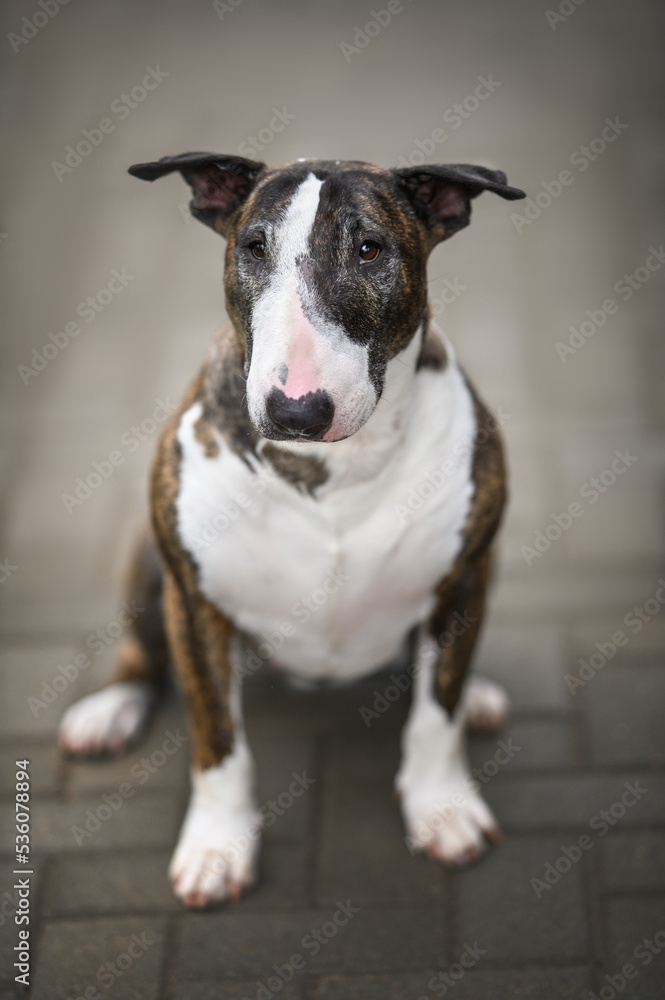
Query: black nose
{"x": 307, "y": 417}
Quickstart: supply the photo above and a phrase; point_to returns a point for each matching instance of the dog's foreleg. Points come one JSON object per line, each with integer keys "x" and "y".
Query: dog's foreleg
{"x": 443, "y": 811}
{"x": 218, "y": 845}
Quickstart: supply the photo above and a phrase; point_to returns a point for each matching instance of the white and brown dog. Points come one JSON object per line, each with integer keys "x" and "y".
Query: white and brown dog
{"x": 328, "y": 399}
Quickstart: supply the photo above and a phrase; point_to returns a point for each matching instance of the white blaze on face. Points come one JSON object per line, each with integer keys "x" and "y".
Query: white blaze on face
{"x": 313, "y": 355}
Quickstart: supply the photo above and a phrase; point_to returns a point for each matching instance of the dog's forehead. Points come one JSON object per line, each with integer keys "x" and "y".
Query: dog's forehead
{"x": 349, "y": 189}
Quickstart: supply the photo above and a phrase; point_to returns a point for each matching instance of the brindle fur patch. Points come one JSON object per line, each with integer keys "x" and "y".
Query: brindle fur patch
{"x": 199, "y": 635}
{"x": 204, "y": 435}
{"x": 463, "y": 589}
{"x": 224, "y": 396}
{"x": 433, "y": 354}
{"x": 305, "y": 472}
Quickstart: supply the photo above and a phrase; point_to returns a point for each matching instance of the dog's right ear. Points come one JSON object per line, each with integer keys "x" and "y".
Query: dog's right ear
{"x": 220, "y": 183}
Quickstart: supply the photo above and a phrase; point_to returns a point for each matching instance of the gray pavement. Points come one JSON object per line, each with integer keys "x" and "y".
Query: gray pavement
{"x": 574, "y": 900}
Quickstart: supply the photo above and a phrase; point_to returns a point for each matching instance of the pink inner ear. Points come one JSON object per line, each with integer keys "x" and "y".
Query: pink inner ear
{"x": 217, "y": 188}
{"x": 448, "y": 201}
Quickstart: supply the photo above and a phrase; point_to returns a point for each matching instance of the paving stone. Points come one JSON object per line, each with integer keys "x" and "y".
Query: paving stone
{"x": 151, "y": 819}
{"x": 72, "y": 955}
{"x": 625, "y": 722}
{"x": 283, "y": 878}
{"x": 500, "y": 910}
{"x": 45, "y": 770}
{"x": 634, "y": 860}
{"x": 109, "y": 883}
{"x": 543, "y": 743}
{"x": 373, "y": 987}
{"x": 554, "y": 802}
{"x": 234, "y": 990}
{"x": 363, "y": 853}
{"x": 636, "y": 936}
{"x": 525, "y": 984}
{"x": 281, "y": 756}
{"x": 224, "y": 944}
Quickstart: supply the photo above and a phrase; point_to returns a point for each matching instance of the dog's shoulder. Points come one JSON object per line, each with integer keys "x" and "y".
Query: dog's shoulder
{"x": 488, "y": 473}
{"x": 165, "y": 484}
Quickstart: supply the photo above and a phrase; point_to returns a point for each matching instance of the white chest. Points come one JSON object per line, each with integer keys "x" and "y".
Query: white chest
{"x": 330, "y": 586}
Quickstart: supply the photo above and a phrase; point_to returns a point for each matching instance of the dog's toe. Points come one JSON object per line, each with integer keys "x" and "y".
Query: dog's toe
{"x": 202, "y": 877}
{"x": 485, "y": 705}
{"x": 106, "y": 722}
{"x": 454, "y": 834}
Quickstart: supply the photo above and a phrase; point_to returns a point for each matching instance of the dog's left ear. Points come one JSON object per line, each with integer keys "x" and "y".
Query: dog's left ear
{"x": 220, "y": 183}
{"x": 441, "y": 194}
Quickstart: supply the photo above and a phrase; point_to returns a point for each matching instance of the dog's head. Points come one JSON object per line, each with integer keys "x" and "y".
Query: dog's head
{"x": 325, "y": 274}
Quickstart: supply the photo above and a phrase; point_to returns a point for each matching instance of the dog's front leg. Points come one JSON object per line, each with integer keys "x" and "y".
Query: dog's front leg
{"x": 443, "y": 810}
{"x": 216, "y": 853}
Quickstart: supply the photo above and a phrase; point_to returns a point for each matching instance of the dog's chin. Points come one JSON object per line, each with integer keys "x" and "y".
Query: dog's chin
{"x": 334, "y": 434}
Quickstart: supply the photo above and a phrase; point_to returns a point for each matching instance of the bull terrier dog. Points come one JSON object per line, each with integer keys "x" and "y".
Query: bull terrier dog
{"x": 328, "y": 400}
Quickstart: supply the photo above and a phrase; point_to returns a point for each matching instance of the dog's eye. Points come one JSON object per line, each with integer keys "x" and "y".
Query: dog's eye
{"x": 258, "y": 249}
{"x": 369, "y": 250}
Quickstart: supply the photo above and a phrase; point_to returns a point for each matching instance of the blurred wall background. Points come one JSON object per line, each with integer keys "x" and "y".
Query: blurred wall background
{"x": 517, "y": 86}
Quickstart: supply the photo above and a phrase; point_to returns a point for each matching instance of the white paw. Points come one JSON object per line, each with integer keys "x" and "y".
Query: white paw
{"x": 485, "y": 704}
{"x": 219, "y": 843}
{"x": 106, "y": 722}
{"x": 450, "y": 823}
